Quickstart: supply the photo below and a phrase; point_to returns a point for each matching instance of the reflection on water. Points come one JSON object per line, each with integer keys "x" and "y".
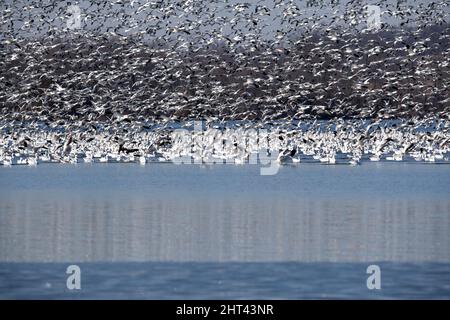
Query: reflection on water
{"x": 167, "y": 231}
{"x": 147, "y": 229}
{"x": 172, "y": 213}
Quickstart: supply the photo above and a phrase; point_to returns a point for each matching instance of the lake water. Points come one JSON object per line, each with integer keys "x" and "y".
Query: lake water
{"x": 224, "y": 231}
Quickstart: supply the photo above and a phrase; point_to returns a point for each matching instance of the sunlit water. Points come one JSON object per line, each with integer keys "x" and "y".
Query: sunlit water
{"x": 224, "y": 231}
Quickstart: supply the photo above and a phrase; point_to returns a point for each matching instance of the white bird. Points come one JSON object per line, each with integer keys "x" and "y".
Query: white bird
{"x": 32, "y": 161}
{"x": 288, "y": 156}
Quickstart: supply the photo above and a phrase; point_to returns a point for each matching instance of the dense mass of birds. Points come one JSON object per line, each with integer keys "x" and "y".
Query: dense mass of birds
{"x": 328, "y": 142}
{"x": 116, "y": 89}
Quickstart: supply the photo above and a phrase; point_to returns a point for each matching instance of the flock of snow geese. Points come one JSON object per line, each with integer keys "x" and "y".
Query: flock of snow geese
{"x": 191, "y": 82}
{"x": 328, "y": 142}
